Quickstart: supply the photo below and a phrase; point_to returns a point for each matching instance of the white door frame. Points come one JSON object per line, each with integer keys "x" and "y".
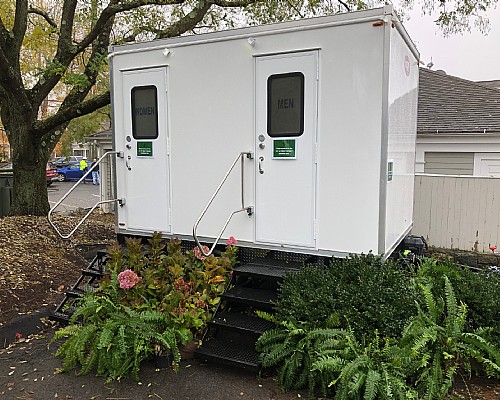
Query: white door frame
{"x": 147, "y": 161}
{"x": 286, "y": 162}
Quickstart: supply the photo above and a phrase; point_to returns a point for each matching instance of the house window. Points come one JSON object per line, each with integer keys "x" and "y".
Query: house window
{"x": 285, "y": 105}
{"x": 144, "y": 112}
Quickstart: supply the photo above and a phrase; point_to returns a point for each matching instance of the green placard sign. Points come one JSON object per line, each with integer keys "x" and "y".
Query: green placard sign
{"x": 284, "y": 148}
{"x": 144, "y": 149}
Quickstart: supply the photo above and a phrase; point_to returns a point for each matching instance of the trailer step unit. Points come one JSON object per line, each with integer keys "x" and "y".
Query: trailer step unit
{"x": 296, "y": 136}
{"x": 235, "y": 327}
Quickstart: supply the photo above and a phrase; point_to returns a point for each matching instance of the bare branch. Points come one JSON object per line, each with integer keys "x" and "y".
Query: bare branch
{"x": 20, "y": 25}
{"x": 65, "y": 115}
{"x": 234, "y": 3}
{"x": 187, "y": 22}
{"x": 11, "y": 82}
{"x": 45, "y": 15}
{"x": 3, "y": 32}
{"x": 345, "y": 5}
{"x": 66, "y": 30}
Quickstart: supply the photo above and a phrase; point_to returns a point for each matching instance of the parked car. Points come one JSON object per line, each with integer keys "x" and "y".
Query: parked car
{"x": 50, "y": 172}
{"x": 72, "y": 172}
{"x": 61, "y": 162}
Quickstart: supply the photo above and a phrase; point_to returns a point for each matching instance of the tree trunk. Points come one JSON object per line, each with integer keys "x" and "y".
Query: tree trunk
{"x": 29, "y": 161}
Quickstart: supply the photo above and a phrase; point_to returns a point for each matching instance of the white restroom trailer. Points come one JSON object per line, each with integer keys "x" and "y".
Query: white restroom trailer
{"x": 323, "y": 111}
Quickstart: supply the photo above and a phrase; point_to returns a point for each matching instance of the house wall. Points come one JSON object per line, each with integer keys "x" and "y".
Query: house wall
{"x": 457, "y": 212}
{"x": 485, "y": 150}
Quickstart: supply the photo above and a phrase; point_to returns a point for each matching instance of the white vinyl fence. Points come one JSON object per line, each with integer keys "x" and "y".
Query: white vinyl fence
{"x": 457, "y": 212}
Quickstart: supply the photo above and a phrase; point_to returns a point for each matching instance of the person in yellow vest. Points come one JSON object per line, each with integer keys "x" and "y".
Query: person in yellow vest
{"x": 83, "y": 166}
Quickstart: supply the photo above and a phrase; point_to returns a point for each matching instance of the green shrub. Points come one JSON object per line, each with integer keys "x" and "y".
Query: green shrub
{"x": 479, "y": 290}
{"x": 114, "y": 339}
{"x": 148, "y": 303}
{"x": 360, "y": 292}
{"x": 369, "y": 372}
{"x": 294, "y": 350}
{"x": 439, "y": 346}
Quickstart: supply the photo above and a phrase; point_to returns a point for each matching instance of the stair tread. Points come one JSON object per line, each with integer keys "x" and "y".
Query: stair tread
{"x": 75, "y": 292}
{"x": 92, "y": 272}
{"x": 261, "y": 268}
{"x": 242, "y": 321}
{"x": 262, "y": 297}
{"x": 271, "y": 262}
{"x": 229, "y": 352}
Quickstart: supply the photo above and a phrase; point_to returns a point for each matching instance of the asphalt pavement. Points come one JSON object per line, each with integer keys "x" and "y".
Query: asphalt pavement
{"x": 84, "y": 196}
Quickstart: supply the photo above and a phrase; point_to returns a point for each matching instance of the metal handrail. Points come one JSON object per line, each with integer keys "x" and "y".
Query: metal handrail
{"x": 49, "y": 215}
{"x": 248, "y": 155}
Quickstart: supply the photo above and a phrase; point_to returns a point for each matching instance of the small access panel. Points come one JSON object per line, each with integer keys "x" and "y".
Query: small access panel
{"x": 286, "y": 121}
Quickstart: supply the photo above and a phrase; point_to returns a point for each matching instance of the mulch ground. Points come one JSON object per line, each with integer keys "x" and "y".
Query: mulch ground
{"x": 37, "y": 267}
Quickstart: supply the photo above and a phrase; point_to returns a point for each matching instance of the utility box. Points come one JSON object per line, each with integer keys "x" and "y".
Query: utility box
{"x": 6, "y": 182}
{"x": 323, "y": 112}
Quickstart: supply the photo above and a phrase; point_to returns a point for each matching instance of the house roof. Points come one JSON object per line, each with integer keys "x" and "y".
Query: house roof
{"x": 101, "y": 136}
{"x": 491, "y": 84}
{"x": 451, "y": 105}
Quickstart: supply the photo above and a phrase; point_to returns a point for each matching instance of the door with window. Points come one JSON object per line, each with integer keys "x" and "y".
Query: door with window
{"x": 286, "y": 122}
{"x": 147, "y": 180}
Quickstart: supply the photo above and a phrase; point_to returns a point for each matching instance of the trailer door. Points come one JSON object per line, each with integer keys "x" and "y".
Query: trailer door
{"x": 146, "y": 166}
{"x": 286, "y": 121}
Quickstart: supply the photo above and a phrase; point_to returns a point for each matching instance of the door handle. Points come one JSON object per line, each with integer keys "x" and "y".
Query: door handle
{"x": 127, "y": 163}
{"x": 261, "y": 159}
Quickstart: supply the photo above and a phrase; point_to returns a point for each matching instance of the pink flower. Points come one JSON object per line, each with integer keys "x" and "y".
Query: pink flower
{"x": 128, "y": 279}
{"x": 19, "y": 336}
{"x": 231, "y": 241}
{"x": 198, "y": 254}
{"x": 493, "y": 248}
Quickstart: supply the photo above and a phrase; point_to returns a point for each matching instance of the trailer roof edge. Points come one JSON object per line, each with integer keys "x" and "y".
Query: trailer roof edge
{"x": 281, "y": 27}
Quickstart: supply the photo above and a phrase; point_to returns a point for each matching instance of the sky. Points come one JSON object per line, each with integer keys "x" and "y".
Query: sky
{"x": 471, "y": 56}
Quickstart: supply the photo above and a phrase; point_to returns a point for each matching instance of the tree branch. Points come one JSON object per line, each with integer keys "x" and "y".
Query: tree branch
{"x": 44, "y": 14}
{"x": 20, "y": 25}
{"x": 116, "y": 7}
{"x": 345, "y": 5}
{"x": 66, "y": 30}
{"x": 233, "y": 3}
{"x": 11, "y": 83}
{"x": 91, "y": 72}
{"x": 3, "y": 32}
{"x": 75, "y": 111}
{"x": 188, "y": 22}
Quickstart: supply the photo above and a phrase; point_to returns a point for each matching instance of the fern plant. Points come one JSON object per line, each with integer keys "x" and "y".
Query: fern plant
{"x": 294, "y": 350}
{"x": 114, "y": 339}
{"x": 437, "y": 341}
{"x": 367, "y": 372}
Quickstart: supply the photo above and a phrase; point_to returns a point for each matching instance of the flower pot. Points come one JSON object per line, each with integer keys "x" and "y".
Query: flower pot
{"x": 187, "y": 351}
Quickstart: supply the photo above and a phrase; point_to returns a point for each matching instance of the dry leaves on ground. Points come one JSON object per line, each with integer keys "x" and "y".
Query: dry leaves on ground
{"x": 36, "y": 266}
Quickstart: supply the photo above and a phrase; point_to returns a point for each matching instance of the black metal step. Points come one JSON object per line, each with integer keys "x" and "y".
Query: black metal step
{"x": 267, "y": 268}
{"x": 92, "y": 273}
{"x": 241, "y": 322}
{"x": 260, "y": 298}
{"x": 59, "y": 317}
{"x": 75, "y": 293}
{"x": 243, "y": 356}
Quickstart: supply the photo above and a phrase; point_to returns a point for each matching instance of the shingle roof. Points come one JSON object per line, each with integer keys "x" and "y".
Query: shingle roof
{"x": 491, "y": 84}
{"x": 447, "y": 104}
